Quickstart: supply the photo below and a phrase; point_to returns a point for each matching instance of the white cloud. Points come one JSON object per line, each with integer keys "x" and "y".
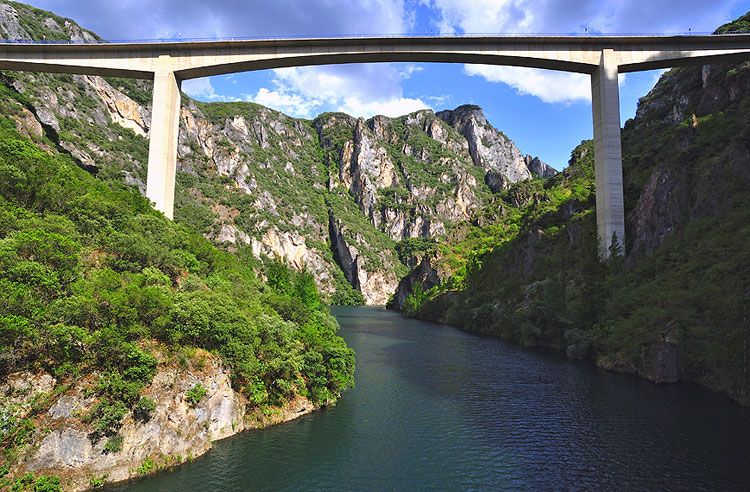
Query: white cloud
{"x": 204, "y": 90}
{"x": 409, "y": 70}
{"x": 550, "y": 87}
{"x": 144, "y": 19}
{"x": 292, "y": 104}
{"x": 303, "y": 92}
{"x": 360, "y": 90}
{"x": 568, "y": 16}
{"x": 439, "y": 100}
{"x": 573, "y": 16}
{"x": 477, "y": 16}
{"x": 391, "y": 107}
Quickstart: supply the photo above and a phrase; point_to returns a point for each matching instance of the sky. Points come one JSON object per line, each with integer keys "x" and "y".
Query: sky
{"x": 546, "y": 113}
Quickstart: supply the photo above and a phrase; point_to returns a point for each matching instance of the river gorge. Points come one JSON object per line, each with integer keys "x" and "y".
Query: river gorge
{"x": 437, "y": 408}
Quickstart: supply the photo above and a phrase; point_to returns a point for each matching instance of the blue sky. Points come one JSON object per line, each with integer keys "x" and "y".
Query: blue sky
{"x": 545, "y": 113}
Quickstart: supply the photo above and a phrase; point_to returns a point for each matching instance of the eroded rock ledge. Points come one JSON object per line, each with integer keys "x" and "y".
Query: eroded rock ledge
{"x": 62, "y": 441}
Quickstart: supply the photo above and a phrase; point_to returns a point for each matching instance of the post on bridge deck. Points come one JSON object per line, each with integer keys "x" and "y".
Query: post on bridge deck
{"x": 162, "y": 149}
{"x": 610, "y": 213}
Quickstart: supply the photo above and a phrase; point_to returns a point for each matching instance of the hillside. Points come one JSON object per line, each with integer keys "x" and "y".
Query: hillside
{"x": 103, "y": 297}
{"x": 129, "y": 342}
{"x": 332, "y": 196}
{"x": 677, "y": 307}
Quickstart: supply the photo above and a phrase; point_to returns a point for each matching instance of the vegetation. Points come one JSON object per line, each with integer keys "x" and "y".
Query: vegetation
{"x": 532, "y": 274}
{"x": 741, "y": 25}
{"x": 195, "y": 394}
{"x": 33, "y": 21}
{"x": 93, "y": 280}
{"x": 144, "y": 409}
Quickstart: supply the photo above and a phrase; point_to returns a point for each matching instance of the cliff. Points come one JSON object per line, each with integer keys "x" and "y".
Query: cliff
{"x": 675, "y": 308}
{"x": 176, "y": 429}
{"x": 253, "y": 178}
{"x": 129, "y": 342}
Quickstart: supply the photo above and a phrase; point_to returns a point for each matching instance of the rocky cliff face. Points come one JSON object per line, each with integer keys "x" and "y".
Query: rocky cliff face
{"x": 489, "y": 148}
{"x": 250, "y": 177}
{"x": 703, "y": 157}
{"x": 676, "y": 308}
{"x": 64, "y": 443}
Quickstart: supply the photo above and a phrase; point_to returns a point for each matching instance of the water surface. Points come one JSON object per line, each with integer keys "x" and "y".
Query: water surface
{"x": 436, "y": 408}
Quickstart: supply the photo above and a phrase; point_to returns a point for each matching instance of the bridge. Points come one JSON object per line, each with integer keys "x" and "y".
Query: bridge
{"x": 169, "y": 63}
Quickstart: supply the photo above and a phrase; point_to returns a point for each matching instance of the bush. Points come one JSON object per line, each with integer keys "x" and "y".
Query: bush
{"x": 144, "y": 409}
{"x": 148, "y": 466}
{"x": 578, "y": 343}
{"x": 43, "y": 483}
{"x": 113, "y": 444}
{"x": 98, "y": 482}
{"x": 92, "y": 276}
{"x": 195, "y": 394}
{"x": 106, "y": 418}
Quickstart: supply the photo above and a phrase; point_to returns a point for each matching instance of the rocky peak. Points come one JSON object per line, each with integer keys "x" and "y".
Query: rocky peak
{"x": 689, "y": 149}
{"x": 379, "y": 126}
{"x": 328, "y": 121}
{"x": 46, "y": 25}
{"x": 539, "y": 168}
{"x": 490, "y": 149}
{"x": 10, "y": 25}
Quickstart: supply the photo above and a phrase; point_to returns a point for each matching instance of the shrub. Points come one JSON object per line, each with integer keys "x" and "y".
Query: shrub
{"x": 144, "y": 409}
{"x": 91, "y": 276}
{"x": 106, "y": 417}
{"x": 98, "y": 482}
{"x": 147, "y": 467}
{"x": 113, "y": 444}
{"x": 195, "y": 394}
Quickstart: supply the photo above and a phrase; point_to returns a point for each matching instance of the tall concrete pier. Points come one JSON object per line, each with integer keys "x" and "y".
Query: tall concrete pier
{"x": 162, "y": 148}
{"x": 605, "y": 105}
{"x": 602, "y": 57}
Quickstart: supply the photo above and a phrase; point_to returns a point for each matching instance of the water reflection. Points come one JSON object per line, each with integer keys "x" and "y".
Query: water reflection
{"x": 438, "y": 408}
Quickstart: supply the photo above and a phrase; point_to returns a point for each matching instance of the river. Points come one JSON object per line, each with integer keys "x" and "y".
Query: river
{"x": 436, "y": 408}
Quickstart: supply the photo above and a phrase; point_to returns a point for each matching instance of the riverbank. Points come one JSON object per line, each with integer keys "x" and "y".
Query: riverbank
{"x": 194, "y": 405}
{"x": 436, "y": 408}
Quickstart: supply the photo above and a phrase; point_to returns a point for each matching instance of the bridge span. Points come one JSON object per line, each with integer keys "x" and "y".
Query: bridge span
{"x": 169, "y": 63}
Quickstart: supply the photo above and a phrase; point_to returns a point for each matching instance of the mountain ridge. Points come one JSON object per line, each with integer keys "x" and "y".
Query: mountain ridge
{"x": 253, "y": 178}
{"x": 675, "y": 308}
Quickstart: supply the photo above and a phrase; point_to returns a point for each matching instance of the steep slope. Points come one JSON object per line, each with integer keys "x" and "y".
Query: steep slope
{"x": 128, "y": 342}
{"x": 250, "y": 177}
{"x": 678, "y": 306}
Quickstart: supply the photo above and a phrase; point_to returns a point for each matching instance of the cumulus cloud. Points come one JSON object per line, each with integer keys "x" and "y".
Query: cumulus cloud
{"x": 203, "y": 89}
{"x": 360, "y": 90}
{"x": 390, "y": 107}
{"x": 287, "y": 102}
{"x": 549, "y": 86}
{"x": 574, "y": 16}
{"x": 568, "y": 16}
{"x": 141, "y": 19}
{"x": 409, "y": 70}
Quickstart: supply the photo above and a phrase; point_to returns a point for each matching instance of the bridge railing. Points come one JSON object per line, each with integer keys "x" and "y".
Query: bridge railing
{"x": 178, "y": 39}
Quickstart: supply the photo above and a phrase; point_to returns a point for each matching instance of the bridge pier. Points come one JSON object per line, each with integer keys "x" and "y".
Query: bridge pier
{"x": 610, "y": 210}
{"x": 610, "y": 215}
{"x": 162, "y": 148}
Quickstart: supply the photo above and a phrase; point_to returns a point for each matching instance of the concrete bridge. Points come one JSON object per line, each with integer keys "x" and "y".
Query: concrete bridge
{"x": 169, "y": 63}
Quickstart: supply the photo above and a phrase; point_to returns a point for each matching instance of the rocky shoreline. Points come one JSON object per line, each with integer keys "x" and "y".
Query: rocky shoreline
{"x": 62, "y": 442}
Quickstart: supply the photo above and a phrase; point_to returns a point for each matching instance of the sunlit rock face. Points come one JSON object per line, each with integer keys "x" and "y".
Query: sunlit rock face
{"x": 251, "y": 177}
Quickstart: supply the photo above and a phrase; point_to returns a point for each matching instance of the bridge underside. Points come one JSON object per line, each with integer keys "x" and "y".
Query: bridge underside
{"x": 603, "y": 58}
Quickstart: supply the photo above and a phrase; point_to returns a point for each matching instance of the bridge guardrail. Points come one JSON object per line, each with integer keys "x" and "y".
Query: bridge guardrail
{"x": 178, "y": 39}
